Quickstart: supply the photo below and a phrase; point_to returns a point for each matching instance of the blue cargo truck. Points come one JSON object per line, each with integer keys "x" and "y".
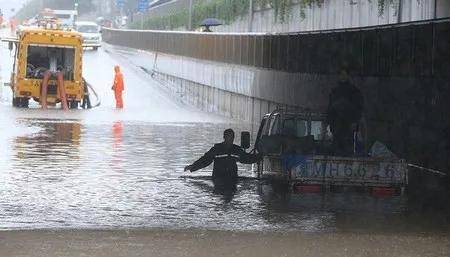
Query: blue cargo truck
{"x": 297, "y": 148}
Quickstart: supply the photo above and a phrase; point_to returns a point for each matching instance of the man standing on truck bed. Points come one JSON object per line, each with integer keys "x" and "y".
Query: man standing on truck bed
{"x": 225, "y": 155}
{"x": 345, "y": 109}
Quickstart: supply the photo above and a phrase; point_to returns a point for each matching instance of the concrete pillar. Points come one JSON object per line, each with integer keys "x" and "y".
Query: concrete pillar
{"x": 400, "y": 10}
{"x": 190, "y": 14}
{"x": 250, "y": 16}
{"x": 435, "y": 9}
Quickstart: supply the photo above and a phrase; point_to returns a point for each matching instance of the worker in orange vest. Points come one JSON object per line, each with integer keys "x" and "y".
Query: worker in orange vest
{"x": 118, "y": 87}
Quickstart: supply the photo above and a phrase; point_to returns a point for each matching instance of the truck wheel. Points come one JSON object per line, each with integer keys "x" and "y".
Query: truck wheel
{"x": 73, "y": 105}
{"x": 21, "y": 102}
{"x": 24, "y": 103}
{"x": 15, "y": 102}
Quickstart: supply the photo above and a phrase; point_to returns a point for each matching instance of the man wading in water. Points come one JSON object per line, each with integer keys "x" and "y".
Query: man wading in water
{"x": 225, "y": 155}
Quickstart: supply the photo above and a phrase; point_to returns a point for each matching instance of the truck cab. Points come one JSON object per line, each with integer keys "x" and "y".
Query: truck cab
{"x": 284, "y": 131}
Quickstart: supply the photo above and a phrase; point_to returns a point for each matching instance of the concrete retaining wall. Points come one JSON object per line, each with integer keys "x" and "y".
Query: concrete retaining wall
{"x": 215, "y": 100}
{"x": 406, "y": 50}
{"x": 403, "y": 73}
{"x": 228, "y": 90}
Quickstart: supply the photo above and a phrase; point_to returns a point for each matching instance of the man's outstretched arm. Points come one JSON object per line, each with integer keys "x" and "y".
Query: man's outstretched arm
{"x": 203, "y": 162}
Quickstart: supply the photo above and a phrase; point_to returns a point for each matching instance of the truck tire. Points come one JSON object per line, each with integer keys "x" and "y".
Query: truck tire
{"x": 73, "y": 104}
{"x": 20, "y": 102}
{"x": 15, "y": 102}
{"x": 24, "y": 102}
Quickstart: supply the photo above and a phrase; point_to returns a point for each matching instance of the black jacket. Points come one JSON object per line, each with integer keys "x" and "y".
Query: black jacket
{"x": 346, "y": 103}
{"x": 224, "y": 161}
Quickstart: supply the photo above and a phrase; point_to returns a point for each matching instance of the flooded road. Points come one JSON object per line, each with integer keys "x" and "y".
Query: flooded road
{"x": 105, "y": 168}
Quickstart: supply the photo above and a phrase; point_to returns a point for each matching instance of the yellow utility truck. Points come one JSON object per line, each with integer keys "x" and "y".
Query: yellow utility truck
{"x": 47, "y": 66}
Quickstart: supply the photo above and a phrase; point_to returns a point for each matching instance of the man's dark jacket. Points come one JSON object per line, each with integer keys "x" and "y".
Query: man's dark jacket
{"x": 225, "y": 167}
{"x": 345, "y": 104}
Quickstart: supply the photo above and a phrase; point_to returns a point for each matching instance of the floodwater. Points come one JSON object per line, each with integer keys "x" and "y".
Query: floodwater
{"x": 105, "y": 168}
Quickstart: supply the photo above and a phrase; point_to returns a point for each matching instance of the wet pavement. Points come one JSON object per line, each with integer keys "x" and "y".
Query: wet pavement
{"x": 107, "y": 168}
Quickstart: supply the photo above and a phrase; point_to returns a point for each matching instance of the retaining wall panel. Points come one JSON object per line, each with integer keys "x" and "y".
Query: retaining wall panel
{"x": 236, "y": 50}
{"x": 292, "y": 54}
{"x": 402, "y": 63}
{"x": 267, "y": 59}
{"x": 423, "y": 44}
{"x": 318, "y": 61}
{"x": 259, "y": 51}
{"x": 441, "y": 54}
{"x": 370, "y": 52}
{"x": 221, "y": 46}
{"x": 274, "y": 53}
{"x": 252, "y": 50}
{"x": 386, "y": 53}
{"x": 245, "y": 47}
{"x": 282, "y": 53}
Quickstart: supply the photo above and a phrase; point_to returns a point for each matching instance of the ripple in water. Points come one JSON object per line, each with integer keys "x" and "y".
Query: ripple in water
{"x": 66, "y": 174}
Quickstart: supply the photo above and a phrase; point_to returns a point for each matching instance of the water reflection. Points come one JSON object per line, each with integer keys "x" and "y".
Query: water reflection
{"x": 53, "y": 143}
{"x": 118, "y": 151}
{"x": 117, "y": 134}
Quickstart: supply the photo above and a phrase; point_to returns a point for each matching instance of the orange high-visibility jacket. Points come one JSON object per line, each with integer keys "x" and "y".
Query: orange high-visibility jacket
{"x": 118, "y": 80}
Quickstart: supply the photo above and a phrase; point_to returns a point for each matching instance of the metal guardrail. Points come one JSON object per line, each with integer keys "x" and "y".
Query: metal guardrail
{"x": 415, "y": 49}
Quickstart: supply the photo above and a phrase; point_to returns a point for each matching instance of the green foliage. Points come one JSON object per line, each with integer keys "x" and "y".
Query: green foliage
{"x": 225, "y": 10}
{"x": 230, "y": 10}
{"x": 383, "y": 4}
{"x": 283, "y": 8}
